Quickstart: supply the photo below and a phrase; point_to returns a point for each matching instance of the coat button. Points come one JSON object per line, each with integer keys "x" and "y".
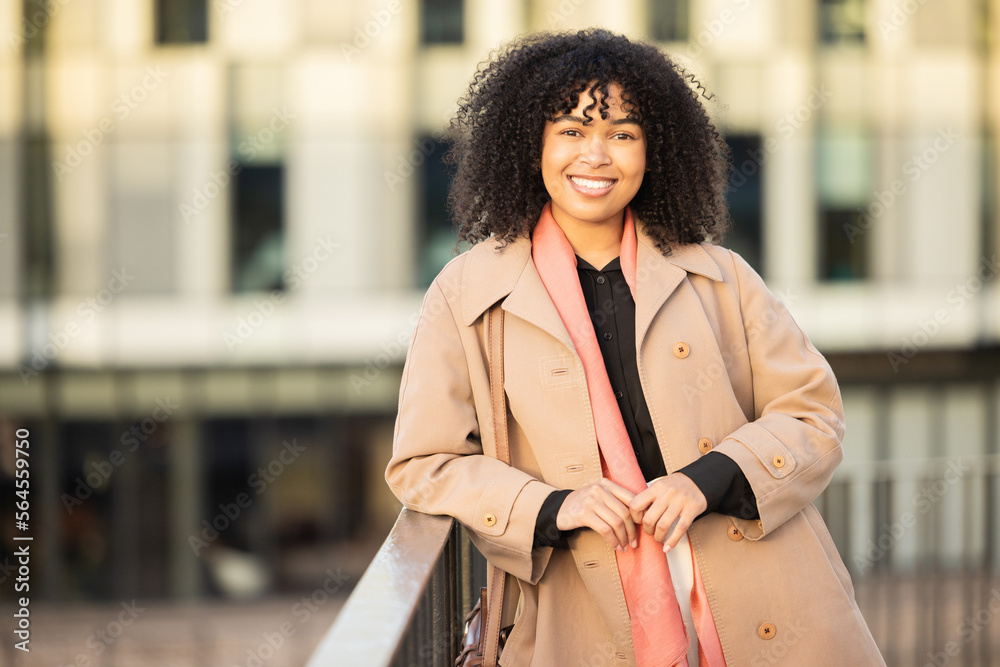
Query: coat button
{"x": 734, "y": 533}
{"x": 778, "y": 461}
{"x": 490, "y": 519}
{"x": 705, "y": 445}
{"x": 681, "y": 350}
{"x": 766, "y": 631}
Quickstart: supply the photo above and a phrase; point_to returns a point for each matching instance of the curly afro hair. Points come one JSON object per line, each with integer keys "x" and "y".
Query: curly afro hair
{"x": 496, "y": 136}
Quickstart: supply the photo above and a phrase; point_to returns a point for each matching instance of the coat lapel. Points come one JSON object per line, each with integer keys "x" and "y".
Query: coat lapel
{"x": 658, "y": 276}
{"x": 532, "y": 303}
{"x": 490, "y": 275}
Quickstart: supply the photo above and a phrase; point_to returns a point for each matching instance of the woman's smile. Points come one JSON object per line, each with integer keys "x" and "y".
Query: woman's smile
{"x": 592, "y": 187}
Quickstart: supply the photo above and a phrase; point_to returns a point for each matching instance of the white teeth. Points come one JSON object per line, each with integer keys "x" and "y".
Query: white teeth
{"x": 594, "y": 185}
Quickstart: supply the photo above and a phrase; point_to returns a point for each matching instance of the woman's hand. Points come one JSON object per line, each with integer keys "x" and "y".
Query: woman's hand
{"x": 603, "y": 506}
{"x": 668, "y": 499}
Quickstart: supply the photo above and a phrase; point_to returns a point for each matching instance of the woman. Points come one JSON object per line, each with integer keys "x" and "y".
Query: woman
{"x": 661, "y": 399}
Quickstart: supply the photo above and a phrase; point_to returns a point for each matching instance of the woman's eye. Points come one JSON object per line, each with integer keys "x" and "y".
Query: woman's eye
{"x": 624, "y": 135}
{"x": 571, "y": 133}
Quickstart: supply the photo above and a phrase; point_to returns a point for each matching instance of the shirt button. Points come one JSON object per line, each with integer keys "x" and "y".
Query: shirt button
{"x": 705, "y": 445}
{"x": 601, "y": 280}
{"x": 734, "y": 533}
{"x": 619, "y": 394}
{"x": 767, "y": 631}
{"x": 490, "y": 519}
{"x": 681, "y": 350}
{"x": 608, "y": 336}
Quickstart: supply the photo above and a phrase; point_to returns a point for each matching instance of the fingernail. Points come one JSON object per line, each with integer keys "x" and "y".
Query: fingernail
{"x": 635, "y": 543}
{"x": 666, "y": 548}
{"x": 618, "y": 548}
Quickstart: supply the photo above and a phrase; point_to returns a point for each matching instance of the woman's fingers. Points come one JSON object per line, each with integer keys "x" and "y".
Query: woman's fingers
{"x": 623, "y": 497}
{"x": 670, "y": 499}
{"x": 603, "y": 507}
{"x": 666, "y": 520}
{"x": 609, "y": 496}
{"x": 611, "y": 525}
{"x": 684, "y": 522}
{"x": 640, "y": 504}
{"x": 620, "y": 492}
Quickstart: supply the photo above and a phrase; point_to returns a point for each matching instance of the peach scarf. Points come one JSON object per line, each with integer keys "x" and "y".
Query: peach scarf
{"x": 658, "y": 632}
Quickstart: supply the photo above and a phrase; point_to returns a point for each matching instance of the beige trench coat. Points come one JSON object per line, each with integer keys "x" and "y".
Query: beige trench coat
{"x": 723, "y": 364}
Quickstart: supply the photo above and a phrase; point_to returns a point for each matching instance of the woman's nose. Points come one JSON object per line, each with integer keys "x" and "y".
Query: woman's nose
{"x": 595, "y": 152}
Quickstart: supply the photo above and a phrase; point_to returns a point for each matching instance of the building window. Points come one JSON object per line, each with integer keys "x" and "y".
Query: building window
{"x": 258, "y": 223}
{"x": 112, "y": 545}
{"x": 181, "y": 21}
{"x": 442, "y": 21}
{"x": 842, "y": 256}
{"x": 230, "y": 463}
{"x": 745, "y": 197}
{"x": 259, "y": 126}
{"x": 435, "y": 235}
{"x": 846, "y": 213}
{"x": 842, "y": 21}
{"x": 668, "y": 20}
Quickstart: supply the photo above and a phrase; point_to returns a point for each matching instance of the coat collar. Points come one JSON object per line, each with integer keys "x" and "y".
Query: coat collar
{"x": 490, "y": 275}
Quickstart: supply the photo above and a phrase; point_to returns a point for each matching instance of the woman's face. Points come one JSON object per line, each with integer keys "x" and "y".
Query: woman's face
{"x": 592, "y": 171}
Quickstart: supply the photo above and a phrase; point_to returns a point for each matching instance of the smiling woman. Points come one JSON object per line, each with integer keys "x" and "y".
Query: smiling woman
{"x": 644, "y": 517}
{"x": 592, "y": 168}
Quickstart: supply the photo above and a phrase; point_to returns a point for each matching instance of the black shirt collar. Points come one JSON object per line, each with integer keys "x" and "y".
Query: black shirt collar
{"x": 584, "y": 265}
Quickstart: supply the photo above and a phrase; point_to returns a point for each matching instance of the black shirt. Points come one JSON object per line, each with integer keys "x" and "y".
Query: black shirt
{"x": 612, "y": 312}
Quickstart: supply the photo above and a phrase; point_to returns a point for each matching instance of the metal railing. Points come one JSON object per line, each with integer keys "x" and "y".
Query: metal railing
{"x": 921, "y": 539}
{"x": 407, "y": 608}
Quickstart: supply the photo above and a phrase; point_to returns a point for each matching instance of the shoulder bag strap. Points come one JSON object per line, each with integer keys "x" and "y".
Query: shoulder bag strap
{"x": 491, "y": 650}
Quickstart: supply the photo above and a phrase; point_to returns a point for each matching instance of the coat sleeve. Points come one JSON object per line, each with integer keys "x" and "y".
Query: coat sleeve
{"x": 791, "y": 448}
{"x": 438, "y": 465}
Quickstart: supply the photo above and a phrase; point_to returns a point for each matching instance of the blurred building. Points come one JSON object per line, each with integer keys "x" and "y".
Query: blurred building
{"x": 217, "y": 219}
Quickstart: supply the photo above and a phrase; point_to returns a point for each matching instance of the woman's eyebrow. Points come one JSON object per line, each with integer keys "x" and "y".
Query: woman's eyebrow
{"x": 578, "y": 119}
